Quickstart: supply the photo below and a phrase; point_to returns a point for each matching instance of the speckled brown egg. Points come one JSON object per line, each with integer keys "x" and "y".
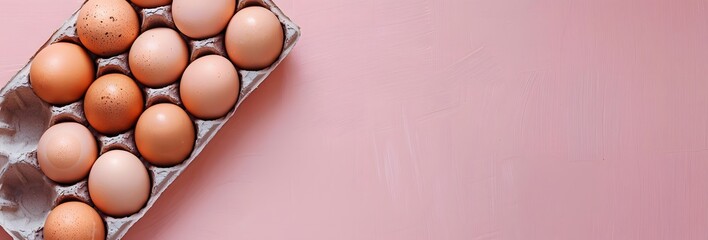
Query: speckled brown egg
{"x": 74, "y": 220}
{"x": 113, "y": 104}
{"x": 107, "y": 27}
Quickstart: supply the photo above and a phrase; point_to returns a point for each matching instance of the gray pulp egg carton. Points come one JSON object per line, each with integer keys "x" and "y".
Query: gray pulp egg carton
{"x": 27, "y": 196}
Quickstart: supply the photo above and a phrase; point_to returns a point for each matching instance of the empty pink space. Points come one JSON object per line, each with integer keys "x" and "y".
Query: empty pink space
{"x": 457, "y": 119}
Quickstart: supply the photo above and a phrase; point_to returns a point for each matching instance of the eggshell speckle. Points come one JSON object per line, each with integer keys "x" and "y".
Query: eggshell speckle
{"x": 164, "y": 135}
{"x": 31, "y": 195}
{"x": 74, "y": 220}
{"x": 66, "y": 152}
{"x": 113, "y": 103}
{"x": 209, "y": 87}
{"x": 61, "y": 73}
{"x": 254, "y": 38}
{"x": 107, "y": 27}
{"x": 119, "y": 184}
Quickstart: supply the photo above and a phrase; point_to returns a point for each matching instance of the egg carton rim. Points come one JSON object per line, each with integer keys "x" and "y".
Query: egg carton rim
{"x": 17, "y": 82}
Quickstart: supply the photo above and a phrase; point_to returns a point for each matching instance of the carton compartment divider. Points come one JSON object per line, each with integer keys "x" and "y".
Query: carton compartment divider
{"x": 27, "y": 195}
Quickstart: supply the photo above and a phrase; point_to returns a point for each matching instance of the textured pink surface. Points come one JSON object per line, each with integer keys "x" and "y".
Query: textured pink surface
{"x": 458, "y": 119}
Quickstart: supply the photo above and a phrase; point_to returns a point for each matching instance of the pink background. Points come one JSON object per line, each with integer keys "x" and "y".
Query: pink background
{"x": 456, "y": 119}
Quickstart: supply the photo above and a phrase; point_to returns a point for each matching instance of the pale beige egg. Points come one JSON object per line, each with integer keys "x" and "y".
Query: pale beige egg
{"x": 210, "y": 87}
{"x": 119, "y": 184}
{"x": 66, "y": 152}
{"x": 254, "y": 38}
{"x": 158, "y": 57}
{"x": 201, "y": 19}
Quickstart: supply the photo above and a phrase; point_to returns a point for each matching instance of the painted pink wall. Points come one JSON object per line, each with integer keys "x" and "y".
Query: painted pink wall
{"x": 457, "y": 119}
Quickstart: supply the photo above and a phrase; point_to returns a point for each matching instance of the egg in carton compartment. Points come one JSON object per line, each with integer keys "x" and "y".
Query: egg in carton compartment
{"x": 27, "y": 195}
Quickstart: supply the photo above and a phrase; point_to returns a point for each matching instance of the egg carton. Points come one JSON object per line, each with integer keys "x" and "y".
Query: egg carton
{"x": 27, "y": 195}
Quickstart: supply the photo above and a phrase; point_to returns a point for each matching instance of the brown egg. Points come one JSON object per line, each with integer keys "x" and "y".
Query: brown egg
{"x": 198, "y": 19}
{"x": 209, "y": 87}
{"x": 107, "y": 27}
{"x": 113, "y": 103}
{"x": 151, "y": 3}
{"x": 73, "y": 220}
{"x": 158, "y": 57}
{"x": 119, "y": 183}
{"x": 61, "y": 73}
{"x": 66, "y": 152}
{"x": 164, "y": 135}
{"x": 254, "y": 38}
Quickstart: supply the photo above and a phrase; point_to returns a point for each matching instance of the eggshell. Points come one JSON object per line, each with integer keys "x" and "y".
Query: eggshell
{"x": 164, "y": 135}
{"x": 254, "y": 38}
{"x": 151, "y": 3}
{"x": 113, "y": 103}
{"x": 209, "y": 87}
{"x": 107, "y": 27}
{"x": 30, "y": 195}
{"x": 72, "y": 221}
{"x": 199, "y": 19}
{"x": 61, "y": 73}
{"x": 66, "y": 152}
{"x": 158, "y": 57}
{"x": 119, "y": 184}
